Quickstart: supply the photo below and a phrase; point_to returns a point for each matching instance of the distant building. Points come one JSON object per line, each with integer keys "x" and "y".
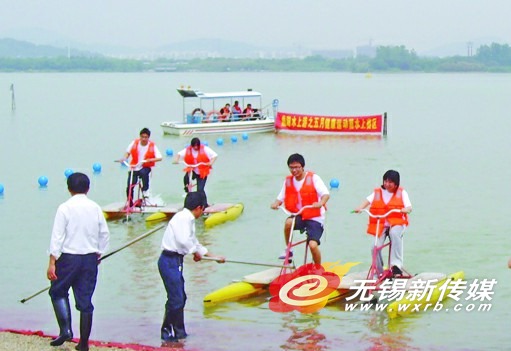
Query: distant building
{"x": 165, "y": 68}
{"x": 282, "y": 54}
{"x": 366, "y": 50}
{"x": 334, "y": 54}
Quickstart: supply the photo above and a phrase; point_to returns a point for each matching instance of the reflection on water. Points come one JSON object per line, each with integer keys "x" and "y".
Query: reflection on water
{"x": 143, "y": 256}
{"x": 304, "y": 333}
{"x": 329, "y": 138}
{"x": 218, "y": 311}
{"x": 389, "y": 334}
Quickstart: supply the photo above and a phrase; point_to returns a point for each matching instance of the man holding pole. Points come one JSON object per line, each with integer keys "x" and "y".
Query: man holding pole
{"x": 80, "y": 236}
{"x": 179, "y": 240}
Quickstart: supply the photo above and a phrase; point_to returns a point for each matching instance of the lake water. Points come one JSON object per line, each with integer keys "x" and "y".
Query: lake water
{"x": 448, "y": 137}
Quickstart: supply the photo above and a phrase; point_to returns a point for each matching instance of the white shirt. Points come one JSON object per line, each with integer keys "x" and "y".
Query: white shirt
{"x": 142, "y": 150}
{"x": 79, "y": 228}
{"x": 209, "y": 152}
{"x": 320, "y": 188}
{"x": 180, "y": 236}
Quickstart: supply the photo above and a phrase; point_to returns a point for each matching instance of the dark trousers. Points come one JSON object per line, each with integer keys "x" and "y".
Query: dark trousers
{"x": 79, "y": 272}
{"x": 170, "y": 266}
{"x": 142, "y": 174}
{"x": 171, "y": 272}
{"x": 201, "y": 184}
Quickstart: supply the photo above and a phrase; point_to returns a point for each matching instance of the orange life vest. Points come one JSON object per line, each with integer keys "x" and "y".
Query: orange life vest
{"x": 202, "y": 156}
{"x": 308, "y": 194}
{"x": 378, "y": 207}
{"x": 149, "y": 154}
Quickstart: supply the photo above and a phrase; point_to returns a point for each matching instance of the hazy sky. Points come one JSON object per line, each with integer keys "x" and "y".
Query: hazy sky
{"x": 315, "y": 24}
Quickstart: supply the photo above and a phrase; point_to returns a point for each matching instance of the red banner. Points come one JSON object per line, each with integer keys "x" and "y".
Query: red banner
{"x": 333, "y": 124}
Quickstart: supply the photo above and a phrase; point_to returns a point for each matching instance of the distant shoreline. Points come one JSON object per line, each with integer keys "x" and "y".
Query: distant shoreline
{"x": 20, "y": 56}
{"x": 386, "y": 60}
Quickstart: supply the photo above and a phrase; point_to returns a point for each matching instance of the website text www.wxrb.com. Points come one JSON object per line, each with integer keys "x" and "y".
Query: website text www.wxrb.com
{"x": 411, "y": 307}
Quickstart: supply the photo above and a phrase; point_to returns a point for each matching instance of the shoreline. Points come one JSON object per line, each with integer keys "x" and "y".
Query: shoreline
{"x": 23, "y": 340}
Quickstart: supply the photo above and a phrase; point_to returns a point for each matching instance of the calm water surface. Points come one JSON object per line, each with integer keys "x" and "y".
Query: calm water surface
{"x": 448, "y": 137}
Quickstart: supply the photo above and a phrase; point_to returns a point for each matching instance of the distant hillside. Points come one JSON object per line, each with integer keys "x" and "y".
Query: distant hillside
{"x": 223, "y": 48}
{"x": 22, "y": 49}
{"x": 189, "y": 49}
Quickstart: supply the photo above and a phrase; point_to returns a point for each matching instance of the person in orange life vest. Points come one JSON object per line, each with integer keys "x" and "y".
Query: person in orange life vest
{"x": 385, "y": 198}
{"x": 236, "y": 111}
{"x": 225, "y": 113}
{"x": 303, "y": 188}
{"x": 144, "y": 153}
{"x": 194, "y": 154}
{"x": 247, "y": 112}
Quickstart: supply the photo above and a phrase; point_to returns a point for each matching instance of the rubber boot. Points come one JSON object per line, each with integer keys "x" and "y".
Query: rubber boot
{"x": 167, "y": 330}
{"x": 63, "y": 314}
{"x": 85, "y": 328}
{"x": 179, "y": 324}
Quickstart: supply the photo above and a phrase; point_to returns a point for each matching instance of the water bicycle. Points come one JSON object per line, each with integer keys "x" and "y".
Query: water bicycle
{"x": 370, "y": 286}
{"x": 434, "y": 287}
{"x": 156, "y": 210}
{"x": 217, "y": 213}
{"x": 258, "y": 283}
{"x": 137, "y": 203}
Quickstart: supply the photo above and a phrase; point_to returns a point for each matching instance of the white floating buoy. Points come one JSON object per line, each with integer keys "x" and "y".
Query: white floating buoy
{"x": 43, "y": 181}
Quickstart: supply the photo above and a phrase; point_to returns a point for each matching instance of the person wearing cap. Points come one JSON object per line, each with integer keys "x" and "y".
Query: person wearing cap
{"x": 79, "y": 237}
{"x": 179, "y": 240}
{"x": 387, "y": 197}
{"x": 144, "y": 154}
{"x": 303, "y": 188}
{"x": 194, "y": 154}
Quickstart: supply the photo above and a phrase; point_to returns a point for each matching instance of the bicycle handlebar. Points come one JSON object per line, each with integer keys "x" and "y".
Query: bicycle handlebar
{"x": 294, "y": 214}
{"x": 196, "y": 165}
{"x": 125, "y": 162}
{"x": 378, "y": 216}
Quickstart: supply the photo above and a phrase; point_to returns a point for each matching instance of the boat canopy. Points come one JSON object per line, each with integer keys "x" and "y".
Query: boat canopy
{"x": 235, "y": 94}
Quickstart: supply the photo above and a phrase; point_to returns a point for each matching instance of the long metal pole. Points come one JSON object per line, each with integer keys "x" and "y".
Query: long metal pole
{"x": 138, "y": 238}
{"x": 247, "y": 262}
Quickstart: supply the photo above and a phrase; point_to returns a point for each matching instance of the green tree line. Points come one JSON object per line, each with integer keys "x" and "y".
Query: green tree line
{"x": 488, "y": 58}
